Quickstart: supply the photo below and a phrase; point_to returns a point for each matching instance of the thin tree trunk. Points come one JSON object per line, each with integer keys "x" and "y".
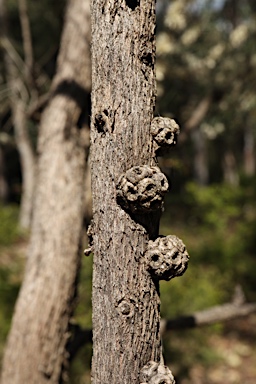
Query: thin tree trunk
{"x": 230, "y": 173}
{"x": 201, "y": 171}
{"x": 27, "y": 42}
{"x": 126, "y": 319}
{"x": 36, "y": 347}
{"x": 3, "y": 182}
{"x": 27, "y": 157}
{"x": 249, "y": 151}
{"x": 19, "y": 100}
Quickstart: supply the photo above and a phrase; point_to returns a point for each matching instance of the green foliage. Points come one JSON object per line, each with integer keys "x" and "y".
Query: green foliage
{"x": 227, "y": 218}
{"x": 216, "y": 206}
{"x": 10, "y": 267}
{"x": 83, "y": 314}
{"x": 200, "y": 287}
{"x": 218, "y": 224}
{"x": 9, "y": 230}
{"x": 204, "y": 52}
{"x": 187, "y": 348}
{"x": 9, "y": 288}
{"x": 80, "y": 366}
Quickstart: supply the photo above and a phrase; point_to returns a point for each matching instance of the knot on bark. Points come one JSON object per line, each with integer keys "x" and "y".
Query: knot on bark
{"x": 156, "y": 373}
{"x": 166, "y": 257}
{"x": 165, "y": 131}
{"x": 126, "y": 307}
{"x": 141, "y": 189}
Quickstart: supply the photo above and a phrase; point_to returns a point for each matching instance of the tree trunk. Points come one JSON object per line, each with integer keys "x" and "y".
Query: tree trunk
{"x": 36, "y": 347}
{"x": 3, "y": 182}
{"x": 230, "y": 173}
{"x": 27, "y": 158}
{"x": 249, "y": 149}
{"x": 201, "y": 172}
{"x": 18, "y": 100}
{"x": 126, "y": 319}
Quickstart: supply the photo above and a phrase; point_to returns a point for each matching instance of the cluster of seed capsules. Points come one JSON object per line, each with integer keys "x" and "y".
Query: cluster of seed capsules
{"x": 141, "y": 190}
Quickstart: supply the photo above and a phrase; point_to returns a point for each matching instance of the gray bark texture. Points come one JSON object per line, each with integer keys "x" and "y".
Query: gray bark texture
{"x": 36, "y": 347}
{"x": 126, "y": 320}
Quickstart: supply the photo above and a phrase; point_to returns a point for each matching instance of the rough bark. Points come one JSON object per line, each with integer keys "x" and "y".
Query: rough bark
{"x": 126, "y": 320}
{"x": 36, "y": 347}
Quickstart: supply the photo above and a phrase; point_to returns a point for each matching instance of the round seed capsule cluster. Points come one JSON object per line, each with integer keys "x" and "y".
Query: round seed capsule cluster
{"x": 156, "y": 373}
{"x": 165, "y": 131}
{"x": 141, "y": 189}
{"x": 166, "y": 257}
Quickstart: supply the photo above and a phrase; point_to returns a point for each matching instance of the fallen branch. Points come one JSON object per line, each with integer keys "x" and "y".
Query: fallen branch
{"x": 217, "y": 314}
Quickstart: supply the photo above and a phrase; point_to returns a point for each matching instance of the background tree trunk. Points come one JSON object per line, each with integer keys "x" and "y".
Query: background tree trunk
{"x": 18, "y": 100}
{"x": 27, "y": 158}
{"x": 35, "y": 351}
{"x": 126, "y": 320}
{"x": 230, "y": 172}
{"x": 3, "y": 182}
{"x": 201, "y": 172}
{"x": 249, "y": 151}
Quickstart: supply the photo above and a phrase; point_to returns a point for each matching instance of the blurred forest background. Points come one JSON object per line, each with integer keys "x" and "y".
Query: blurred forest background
{"x": 206, "y": 80}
